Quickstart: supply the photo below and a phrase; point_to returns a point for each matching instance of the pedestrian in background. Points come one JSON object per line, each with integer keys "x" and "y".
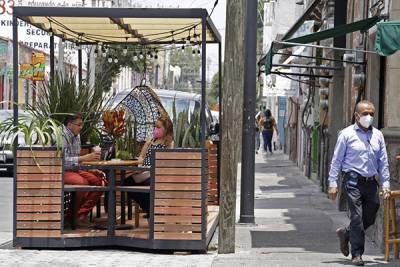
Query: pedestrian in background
{"x": 268, "y": 124}
{"x": 259, "y": 115}
{"x": 360, "y": 153}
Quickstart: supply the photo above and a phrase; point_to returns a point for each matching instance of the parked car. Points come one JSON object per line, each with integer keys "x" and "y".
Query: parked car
{"x": 6, "y": 154}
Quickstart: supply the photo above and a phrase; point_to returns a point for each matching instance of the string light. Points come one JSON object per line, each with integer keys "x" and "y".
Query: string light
{"x": 173, "y": 41}
{"x": 115, "y": 60}
{"x": 135, "y": 58}
{"x": 125, "y": 51}
{"x": 141, "y": 55}
{"x": 110, "y": 60}
{"x": 188, "y": 39}
{"x": 95, "y": 53}
{"x": 149, "y": 56}
{"x": 156, "y": 54}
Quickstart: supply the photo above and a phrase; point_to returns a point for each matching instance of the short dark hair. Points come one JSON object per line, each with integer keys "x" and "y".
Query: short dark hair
{"x": 71, "y": 117}
{"x": 268, "y": 113}
{"x": 363, "y": 103}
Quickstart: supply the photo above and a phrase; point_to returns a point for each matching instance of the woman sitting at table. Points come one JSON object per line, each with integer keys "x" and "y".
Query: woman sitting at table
{"x": 163, "y": 136}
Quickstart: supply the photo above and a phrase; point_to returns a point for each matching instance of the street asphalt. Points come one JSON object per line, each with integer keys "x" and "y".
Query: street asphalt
{"x": 295, "y": 226}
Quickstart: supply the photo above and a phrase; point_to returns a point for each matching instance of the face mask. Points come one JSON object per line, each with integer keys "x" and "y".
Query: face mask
{"x": 158, "y": 133}
{"x": 366, "y": 121}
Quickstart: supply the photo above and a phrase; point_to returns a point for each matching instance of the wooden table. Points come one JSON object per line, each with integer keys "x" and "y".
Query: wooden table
{"x": 111, "y": 167}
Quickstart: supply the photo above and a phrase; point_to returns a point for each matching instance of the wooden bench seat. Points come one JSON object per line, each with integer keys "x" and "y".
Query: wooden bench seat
{"x": 84, "y": 188}
{"x": 139, "y": 189}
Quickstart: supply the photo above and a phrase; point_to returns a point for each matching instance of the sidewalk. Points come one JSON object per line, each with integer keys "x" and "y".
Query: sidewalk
{"x": 295, "y": 226}
{"x": 295, "y": 223}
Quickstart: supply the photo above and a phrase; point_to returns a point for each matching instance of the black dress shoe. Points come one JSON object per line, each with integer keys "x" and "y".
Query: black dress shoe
{"x": 357, "y": 261}
{"x": 344, "y": 243}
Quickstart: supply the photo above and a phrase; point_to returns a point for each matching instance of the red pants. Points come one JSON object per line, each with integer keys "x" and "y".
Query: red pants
{"x": 85, "y": 201}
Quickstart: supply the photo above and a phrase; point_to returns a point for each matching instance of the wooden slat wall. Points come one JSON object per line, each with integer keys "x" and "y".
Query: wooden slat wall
{"x": 213, "y": 193}
{"x": 177, "y": 196}
{"x": 39, "y": 188}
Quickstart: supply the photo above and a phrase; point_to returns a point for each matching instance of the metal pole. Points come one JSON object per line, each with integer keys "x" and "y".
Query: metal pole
{"x": 15, "y": 109}
{"x": 219, "y": 118}
{"x": 52, "y": 58}
{"x": 203, "y": 82}
{"x": 326, "y": 47}
{"x": 249, "y": 103}
{"x": 80, "y": 66}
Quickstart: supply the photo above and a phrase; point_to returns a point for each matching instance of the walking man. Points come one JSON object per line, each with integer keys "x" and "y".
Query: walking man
{"x": 360, "y": 153}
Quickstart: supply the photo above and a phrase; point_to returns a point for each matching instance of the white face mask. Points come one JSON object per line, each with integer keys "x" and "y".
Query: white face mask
{"x": 366, "y": 121}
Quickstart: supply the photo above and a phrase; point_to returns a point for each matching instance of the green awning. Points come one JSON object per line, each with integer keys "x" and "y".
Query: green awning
{"x": 340, "y": 30}
{"x": 387, "y": 38}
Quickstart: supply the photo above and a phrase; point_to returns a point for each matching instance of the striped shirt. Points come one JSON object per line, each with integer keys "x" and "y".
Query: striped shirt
{"x": 72, "y": 149}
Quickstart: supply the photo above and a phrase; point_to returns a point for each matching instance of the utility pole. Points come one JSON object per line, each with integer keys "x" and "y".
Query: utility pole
{"x": 249, "y": 104}
{"x": 231, "y": 122}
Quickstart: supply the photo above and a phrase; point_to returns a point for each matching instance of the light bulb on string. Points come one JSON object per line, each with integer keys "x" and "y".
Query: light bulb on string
{"x": 173, "y": 41}
{"x": 156, "y": 54}
{"x": 183, "y": 47}
{"x": 188, "y": 39}
{"x": 110, "y": 60}
{"x": 141, "y": 55}
{"x": 149, "y": 56}
{"x": 95, "y": 53}
{"x": 115, "y": 60}
{"x": 135, "y": 57}
{"x": 125, "y": 51}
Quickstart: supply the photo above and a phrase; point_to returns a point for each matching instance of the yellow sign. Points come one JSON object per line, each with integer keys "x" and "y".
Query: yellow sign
{"x": 25, "y": 71}
{"x": 39, "y": 66}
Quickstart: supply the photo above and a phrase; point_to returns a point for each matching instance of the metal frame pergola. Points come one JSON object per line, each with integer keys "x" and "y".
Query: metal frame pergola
{"x": 128, "y": 35}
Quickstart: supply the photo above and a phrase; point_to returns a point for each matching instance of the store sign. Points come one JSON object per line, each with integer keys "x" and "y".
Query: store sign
{"x": 25, "y": 71}
{"x": 39, "y": 66}
{"x": 36, "y": 70}
{"x": 28, "y": 34}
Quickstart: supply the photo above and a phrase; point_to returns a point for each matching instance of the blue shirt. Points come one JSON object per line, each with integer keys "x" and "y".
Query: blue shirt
{"x": 361, "y": 152}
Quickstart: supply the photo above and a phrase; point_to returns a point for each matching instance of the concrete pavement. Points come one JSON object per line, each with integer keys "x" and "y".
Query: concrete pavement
{"x": 295, "y": 226}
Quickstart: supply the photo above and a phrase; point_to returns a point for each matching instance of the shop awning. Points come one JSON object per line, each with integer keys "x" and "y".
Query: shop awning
{"x": 388, "y": 38}
{"x": 361, "y": 25}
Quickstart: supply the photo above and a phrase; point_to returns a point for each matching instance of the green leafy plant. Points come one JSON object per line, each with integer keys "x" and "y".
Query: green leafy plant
{"x": 186, "y": 131}
{"x": 62, "y": 96}
{"x": 36, "y": 130}
{"x": 127, "y": 146}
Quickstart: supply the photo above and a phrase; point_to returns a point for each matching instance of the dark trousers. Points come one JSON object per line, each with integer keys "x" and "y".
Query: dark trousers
{"x": 142, "y": 199}
{"x": 267, "y": 137}
{"x": 363, "y": 202}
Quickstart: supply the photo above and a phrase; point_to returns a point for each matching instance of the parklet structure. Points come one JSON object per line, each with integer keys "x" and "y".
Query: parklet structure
{"x": 183, "y": 214}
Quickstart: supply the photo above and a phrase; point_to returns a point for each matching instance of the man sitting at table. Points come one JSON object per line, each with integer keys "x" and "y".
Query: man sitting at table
{"x": 85, "y": 201}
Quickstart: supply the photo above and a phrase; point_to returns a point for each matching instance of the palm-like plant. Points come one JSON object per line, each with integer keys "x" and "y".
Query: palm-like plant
{"x": 62, "y": 96}
{"x": 186, "y": 128}
{"x": 36, "y": 130}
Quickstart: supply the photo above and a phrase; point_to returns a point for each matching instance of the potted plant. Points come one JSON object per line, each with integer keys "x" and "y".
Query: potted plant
{"x": 114, "y": 127}
{"x": 62, "y": 96}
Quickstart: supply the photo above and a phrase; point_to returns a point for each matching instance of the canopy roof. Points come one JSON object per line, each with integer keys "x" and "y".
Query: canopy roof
{"x": 361, "y": 25}
{"x": 387, "y": 38}
{"x": 121, "y": 25}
